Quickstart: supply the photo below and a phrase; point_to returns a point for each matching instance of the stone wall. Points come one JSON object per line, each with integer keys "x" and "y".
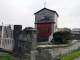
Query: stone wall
{"x": 43, "y": 55}
{"x": 57, "y": 53}
{"x": 27, "y": 45}
{"x": 26, "y": 42}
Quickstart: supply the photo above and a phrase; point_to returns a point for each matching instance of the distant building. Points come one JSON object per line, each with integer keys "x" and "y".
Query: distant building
{"x": 45, "y": 23}
{"x": 64, "y": 29}
{"x": 75, "y": 33}
{"x": 76, "y": 29}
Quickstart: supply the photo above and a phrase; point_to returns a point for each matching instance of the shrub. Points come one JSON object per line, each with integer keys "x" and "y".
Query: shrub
{"x": 61, "y": 37}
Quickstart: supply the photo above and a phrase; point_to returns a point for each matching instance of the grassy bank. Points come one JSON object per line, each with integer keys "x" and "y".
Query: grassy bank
{"x": 10, "y": 57}
{"x": 71, "y": 56}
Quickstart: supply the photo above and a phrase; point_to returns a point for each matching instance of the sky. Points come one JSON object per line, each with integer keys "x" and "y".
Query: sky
{"x": 22, "y": 12}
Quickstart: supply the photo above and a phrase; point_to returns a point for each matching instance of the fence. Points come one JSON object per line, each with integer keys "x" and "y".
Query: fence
{"x": 6, "y": 44}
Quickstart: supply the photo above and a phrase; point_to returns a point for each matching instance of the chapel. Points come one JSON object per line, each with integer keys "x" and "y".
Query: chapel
{"x": 46, "y": 23}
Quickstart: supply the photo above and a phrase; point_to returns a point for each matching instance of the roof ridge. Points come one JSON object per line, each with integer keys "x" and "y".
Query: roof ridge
{"x": 47, "y": 9}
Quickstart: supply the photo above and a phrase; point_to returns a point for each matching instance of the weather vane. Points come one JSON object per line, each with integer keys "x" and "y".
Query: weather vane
{"x": 45, "y": 4}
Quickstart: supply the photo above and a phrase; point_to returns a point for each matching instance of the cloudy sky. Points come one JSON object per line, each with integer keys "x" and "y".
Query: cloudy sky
{"x": 22, "y": 12}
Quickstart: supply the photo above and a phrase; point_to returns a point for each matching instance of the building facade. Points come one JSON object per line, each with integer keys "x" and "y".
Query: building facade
{"x": 76, "y": 33}
{"x": 45, "y": 23}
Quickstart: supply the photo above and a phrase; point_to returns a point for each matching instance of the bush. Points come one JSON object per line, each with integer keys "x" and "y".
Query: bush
{"x": 27, "y": 28}
{"x": 61, "y": 37}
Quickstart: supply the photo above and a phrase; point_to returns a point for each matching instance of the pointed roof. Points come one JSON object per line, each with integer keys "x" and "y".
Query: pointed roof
{"x": 48, "y": 10}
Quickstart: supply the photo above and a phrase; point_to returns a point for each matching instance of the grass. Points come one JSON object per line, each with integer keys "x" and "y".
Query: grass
{"x": 71, "y": 56}
{"x": 10, "y": 57}
{"x": 6, "y": 58}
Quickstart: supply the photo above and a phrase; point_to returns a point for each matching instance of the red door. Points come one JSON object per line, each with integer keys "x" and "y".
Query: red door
{"x": 44, "y": 30}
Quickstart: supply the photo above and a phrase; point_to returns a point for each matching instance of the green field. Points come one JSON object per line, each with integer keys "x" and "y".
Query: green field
{"x": 71, "y": 56}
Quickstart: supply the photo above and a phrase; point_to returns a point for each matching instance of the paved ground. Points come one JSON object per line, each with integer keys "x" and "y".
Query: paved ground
{"x": 77, "y": 58}
{"x": 3, "y": 53}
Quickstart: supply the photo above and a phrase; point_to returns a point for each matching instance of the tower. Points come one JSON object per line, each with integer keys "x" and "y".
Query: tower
{"x": 45, "y": 23}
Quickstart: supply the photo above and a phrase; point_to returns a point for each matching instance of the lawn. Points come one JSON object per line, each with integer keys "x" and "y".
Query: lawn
{"x": 10, "y": 57}
{"x": 6, "y": 58}
{"x": 71, "y": 56}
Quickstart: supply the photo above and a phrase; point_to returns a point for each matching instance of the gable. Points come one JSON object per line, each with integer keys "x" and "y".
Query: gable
{"x": 46, "y": 10}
